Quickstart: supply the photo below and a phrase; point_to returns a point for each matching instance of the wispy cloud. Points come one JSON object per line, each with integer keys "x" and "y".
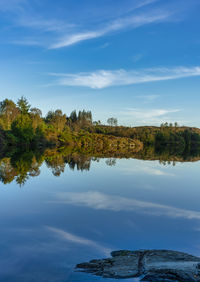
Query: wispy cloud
{"x": 148, "y": 116}
{"x": 45, "y": 25}
{"x": 147, "y": 113}
{"x": 148, "y": 98}
{"x": 101, "y": 201}
{"x": 78, "y": 240}
{"x": 66, "y": 32}
{"x": 66, "y": 25}
{"x": 119, "y": 24}
{"x": 11, "y": 5}
{"x": 106, "y": 78}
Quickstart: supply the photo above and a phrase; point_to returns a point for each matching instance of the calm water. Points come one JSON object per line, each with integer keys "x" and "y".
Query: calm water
{"x": 52, "y": 223}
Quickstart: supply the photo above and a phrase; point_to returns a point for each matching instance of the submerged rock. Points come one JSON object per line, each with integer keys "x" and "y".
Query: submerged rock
{"x": 148, "y": 265}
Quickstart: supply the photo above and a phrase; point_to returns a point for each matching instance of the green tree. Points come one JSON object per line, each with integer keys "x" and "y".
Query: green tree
{"x": 73, "y": 116}
{"x": 57, "y": 119}
{"x": 8, "y": 113}
{"x": 36, "y": 117}
{"x": 23, "y": 105}
{"x": 23, "y": 130}
{"x": 85, "y": 118}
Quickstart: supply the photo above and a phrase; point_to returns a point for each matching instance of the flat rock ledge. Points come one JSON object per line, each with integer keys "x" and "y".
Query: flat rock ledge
{"x": 148, "y": 265}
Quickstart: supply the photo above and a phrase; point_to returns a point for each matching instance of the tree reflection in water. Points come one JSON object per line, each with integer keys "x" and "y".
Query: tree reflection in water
{"x": 20, "y": 166}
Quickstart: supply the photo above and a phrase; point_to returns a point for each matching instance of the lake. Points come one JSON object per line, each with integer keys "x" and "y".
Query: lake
{"x": 72, "y": 212}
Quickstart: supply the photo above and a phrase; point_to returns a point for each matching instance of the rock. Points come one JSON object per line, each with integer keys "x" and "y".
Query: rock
{"x": 148, "y": 265}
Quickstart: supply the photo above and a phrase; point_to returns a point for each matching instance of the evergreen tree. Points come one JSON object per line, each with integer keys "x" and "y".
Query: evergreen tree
{"x": 23, "y": 105}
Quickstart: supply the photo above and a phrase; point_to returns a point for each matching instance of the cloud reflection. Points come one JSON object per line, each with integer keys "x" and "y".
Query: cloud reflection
{"x": 64, "y": 235}
{"x": 101, "y": 201}
{"x": 146, "y": 170}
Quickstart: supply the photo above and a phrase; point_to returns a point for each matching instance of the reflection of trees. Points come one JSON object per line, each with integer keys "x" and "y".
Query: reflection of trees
{"x": 23, "y": 165}
{"x": 56, "y": 163}
{"x": 80, "y": 162}
{"x": 20, "y": 166}
{"x": 26, "y": 165}
{"x": 168, "y": 155}
{"x": 7, "y": 171}
{"x": 162, "y": 162}
{"x": 111, "y": 162}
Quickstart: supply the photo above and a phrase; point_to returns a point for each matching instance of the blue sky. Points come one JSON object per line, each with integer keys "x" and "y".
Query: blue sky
{"x": 138, "y": 60}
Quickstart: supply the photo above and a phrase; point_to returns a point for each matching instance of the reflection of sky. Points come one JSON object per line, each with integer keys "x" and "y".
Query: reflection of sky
{"x": 52, "y": 223}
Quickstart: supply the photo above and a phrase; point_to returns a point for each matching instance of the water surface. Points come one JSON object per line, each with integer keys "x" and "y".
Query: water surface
{"x": 65, "y": 216}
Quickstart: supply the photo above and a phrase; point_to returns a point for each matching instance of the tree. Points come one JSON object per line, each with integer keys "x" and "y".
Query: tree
{"x": 36, "y": 117}
{"x": 57, "y": 119}
{"x": 85, "y": 118}
{"x": 112, "y": 121}
{"x": 23, "y": 105}
{"x": 73, "y": 116}
{"x": 23, "y": 130}
{"x": 8, "y": 113}
{"x": 36, "y": 111}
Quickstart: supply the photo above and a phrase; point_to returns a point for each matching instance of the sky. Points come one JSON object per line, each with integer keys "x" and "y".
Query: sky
{"x": 136, "y": 60}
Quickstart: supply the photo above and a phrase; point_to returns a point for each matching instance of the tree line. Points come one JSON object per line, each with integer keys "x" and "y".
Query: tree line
{"x": 24, "y": 126}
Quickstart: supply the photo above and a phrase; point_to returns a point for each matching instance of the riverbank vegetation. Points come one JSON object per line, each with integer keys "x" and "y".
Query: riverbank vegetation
{"x": 24, "y": 126}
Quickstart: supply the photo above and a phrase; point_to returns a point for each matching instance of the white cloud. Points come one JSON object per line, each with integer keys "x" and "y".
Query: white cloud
{"x": 70, "y": 30}
{"x": 75, "y": 38}
{"x": 46, "y": 25}
{"x": 147, "y": 113}
{"x": 106, "y": 78}
{"x": 68, "y": 25}
{"x": 148, "y": 98}
{"x": 100, "y": 201}
{"x": 119, "y": 24}
{"x": 149, "y": 116}
{"x": 78, "y": 240}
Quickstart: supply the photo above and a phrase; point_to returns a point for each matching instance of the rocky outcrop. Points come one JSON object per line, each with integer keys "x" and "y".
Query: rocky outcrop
{"x": 148, "y": 265}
